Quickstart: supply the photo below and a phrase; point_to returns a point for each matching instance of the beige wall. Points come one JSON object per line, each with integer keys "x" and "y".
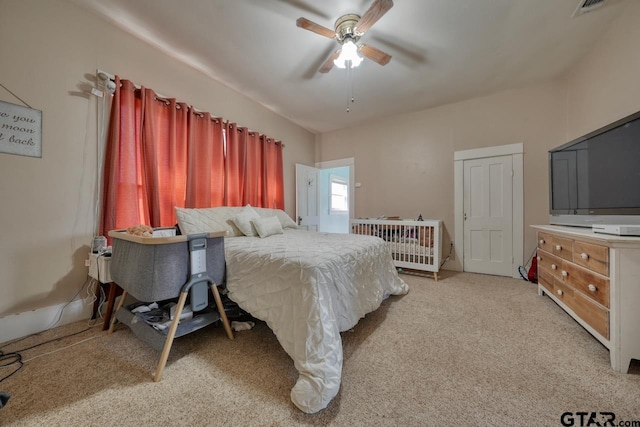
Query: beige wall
{"x": 605, "y": 85}
{"x": 405, "y": 163}
{"x": 50, "y": 51}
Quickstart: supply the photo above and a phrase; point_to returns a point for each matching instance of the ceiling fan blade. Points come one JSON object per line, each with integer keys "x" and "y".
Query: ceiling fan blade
{"x": 375, "y": 55}
{"x": 316, "y": 28}
{"x": 375, "y": 12}
{"x": 299, "y": 4}
{"x": 328, "y": 64}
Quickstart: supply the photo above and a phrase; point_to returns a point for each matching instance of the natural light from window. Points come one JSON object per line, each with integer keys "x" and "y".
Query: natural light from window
{"x": 339, "y": 197}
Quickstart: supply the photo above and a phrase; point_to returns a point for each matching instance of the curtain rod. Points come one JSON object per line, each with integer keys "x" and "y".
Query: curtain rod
{"x": 108, "y": 76}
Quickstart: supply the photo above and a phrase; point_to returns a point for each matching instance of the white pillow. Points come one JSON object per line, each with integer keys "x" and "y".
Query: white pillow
{"x": 205, "y": 220}
{"x": 285, "y": 220}
{"x": 243, "y": 220}
{"x": 267, "y": 226}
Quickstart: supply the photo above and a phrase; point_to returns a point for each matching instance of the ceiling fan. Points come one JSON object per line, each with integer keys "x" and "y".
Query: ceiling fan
{"x": 348, "y": 30}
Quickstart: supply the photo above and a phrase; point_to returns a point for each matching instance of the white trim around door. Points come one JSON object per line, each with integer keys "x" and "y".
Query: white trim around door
{"x": 516, "y": 151}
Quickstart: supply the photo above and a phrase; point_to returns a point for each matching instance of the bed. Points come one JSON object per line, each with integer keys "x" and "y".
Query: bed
{"x": 307, "y": 286}
{"x": 414, "y": 245}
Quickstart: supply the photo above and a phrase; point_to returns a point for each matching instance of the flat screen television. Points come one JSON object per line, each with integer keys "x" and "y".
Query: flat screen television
{"x": 595, "y": 179}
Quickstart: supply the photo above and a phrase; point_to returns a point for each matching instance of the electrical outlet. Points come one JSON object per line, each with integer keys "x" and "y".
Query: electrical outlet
{"x": 87, "y": 263}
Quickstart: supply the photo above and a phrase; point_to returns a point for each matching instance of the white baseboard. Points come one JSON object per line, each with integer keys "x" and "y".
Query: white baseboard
{"x": 31, "y": 322}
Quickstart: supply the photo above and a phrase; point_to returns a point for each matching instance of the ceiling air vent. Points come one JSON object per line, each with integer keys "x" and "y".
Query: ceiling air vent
{"x": 588, "y": 6}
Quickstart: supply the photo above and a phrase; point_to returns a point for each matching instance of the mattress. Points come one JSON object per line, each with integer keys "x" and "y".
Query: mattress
{"x": 308, "y": 287}
{"x": 410, "y": 248}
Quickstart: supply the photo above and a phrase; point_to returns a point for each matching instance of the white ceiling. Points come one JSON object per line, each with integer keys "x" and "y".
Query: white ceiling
{"x": 442, "y": 50}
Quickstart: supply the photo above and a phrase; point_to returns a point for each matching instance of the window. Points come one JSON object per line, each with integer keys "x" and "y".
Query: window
{"x": 339, "y": 196}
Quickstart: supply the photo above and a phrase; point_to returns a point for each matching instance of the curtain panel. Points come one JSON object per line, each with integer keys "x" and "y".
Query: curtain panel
{"x": 236, "y": 163}
{"x": 165, "y": 127}
{"x": 122, "y": 180}
{"x": 205, "y": 172}
{"x": 273, "y": 183}
{"x": 254, "y": 171}
{"x": 162, "y": 153}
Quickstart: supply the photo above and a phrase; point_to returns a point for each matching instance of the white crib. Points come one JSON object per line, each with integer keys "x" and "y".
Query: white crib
{"x": 415, "y": 245}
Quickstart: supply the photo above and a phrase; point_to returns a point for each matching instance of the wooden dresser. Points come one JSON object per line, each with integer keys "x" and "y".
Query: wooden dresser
{"x": 595, "y": 278}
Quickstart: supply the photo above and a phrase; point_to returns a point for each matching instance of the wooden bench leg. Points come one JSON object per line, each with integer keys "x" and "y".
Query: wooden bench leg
{"x": 111, "y": 299}
{"x": 170, "y": 336}
{"x": 223, "y": 315}
{"x": 120, "y": 304}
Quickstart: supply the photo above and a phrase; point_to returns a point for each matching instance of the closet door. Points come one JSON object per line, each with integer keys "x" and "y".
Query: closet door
{"x": 488, "y": 215}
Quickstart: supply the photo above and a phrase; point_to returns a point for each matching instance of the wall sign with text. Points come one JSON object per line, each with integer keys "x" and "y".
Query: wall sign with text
{"x": 20, "y": 130}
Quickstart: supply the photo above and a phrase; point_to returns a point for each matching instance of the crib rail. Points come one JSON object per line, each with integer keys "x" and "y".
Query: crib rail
{"x": 414, "y": 244}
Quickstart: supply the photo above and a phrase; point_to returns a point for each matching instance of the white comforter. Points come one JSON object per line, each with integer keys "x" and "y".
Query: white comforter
{"x": 308, "y": 287}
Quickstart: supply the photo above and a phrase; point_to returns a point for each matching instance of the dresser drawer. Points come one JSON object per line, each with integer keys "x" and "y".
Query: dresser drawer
{"x": 563, "y": 292}
{"x": 593, "y": 314}
{"x": 545, "y": 242}
{"x": 592, "y": 285}
{"x": 551, "y": 263}
{"x": 562, "y": 247}
{"x": 545, "y": 279}
{"x": 592, "y": 256}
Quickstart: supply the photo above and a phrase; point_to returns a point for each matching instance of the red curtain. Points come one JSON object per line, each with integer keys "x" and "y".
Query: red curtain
{"x": 273, "y": 192}
{"x": 205, "y": 172}
{"x": 235, "y": 163}
{"x": 254, "y": 171}
{"x": 122, "y": 180}
{"x": 164, "y": 159}
{"x": 161, "y": 154}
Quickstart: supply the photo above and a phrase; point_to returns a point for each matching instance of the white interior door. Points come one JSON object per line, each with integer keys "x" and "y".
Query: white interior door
{"x": 488, "y": 215}
{"x": 334, "y": 200}
{"x": 307, "y": 197}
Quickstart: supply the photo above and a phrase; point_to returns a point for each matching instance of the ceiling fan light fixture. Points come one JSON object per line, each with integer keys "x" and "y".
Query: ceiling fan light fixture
{"x": 349, "y": 52}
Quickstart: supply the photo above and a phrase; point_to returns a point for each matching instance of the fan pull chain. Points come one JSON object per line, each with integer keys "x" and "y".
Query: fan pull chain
{"x": 351, "y": 83}
{"x": 348, "y": 84}
{"x": 350, "y": 98}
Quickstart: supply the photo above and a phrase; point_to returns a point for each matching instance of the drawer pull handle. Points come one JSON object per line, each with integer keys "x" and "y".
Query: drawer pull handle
{"x": 558, "y": 248}
{"x": 592, "y": 288}
{"x": 559, "y": 292}
{"x": 564, "y": 273}
{"x": 584, "y": 256}
{"x": 542, "y": 241}
{"x": 554, "y": 267}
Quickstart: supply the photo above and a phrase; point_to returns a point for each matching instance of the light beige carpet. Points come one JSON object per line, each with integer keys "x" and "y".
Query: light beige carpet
{"x": 466, "y": 350}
